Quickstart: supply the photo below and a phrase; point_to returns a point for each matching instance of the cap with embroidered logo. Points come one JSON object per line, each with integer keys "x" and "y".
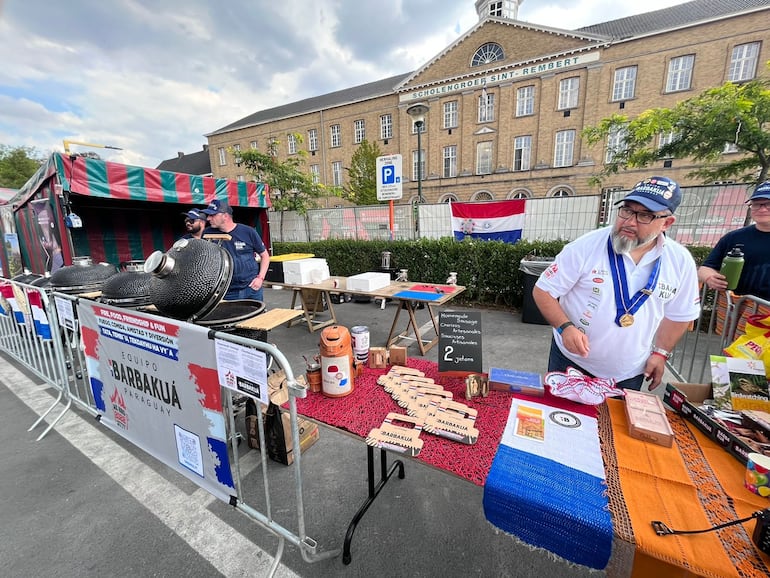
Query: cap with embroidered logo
{"x": 218, "y": 206}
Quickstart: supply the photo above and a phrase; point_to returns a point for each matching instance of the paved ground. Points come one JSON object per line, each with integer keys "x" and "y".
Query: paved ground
{"x": 82, "y": 502}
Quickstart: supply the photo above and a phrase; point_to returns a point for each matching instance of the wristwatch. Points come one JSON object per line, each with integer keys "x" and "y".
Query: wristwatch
{"x": 560, "y": 329}
{"x": 661, "y": 352}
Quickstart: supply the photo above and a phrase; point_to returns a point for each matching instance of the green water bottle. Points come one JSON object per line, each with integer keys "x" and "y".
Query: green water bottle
{"x": 732, "y": 265}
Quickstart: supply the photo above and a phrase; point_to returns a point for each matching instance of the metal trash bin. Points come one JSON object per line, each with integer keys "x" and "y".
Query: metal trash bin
{"x": 532, "y": 270}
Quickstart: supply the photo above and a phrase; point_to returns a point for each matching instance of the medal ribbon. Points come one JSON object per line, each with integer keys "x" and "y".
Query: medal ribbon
{"x": 623, "y": 303}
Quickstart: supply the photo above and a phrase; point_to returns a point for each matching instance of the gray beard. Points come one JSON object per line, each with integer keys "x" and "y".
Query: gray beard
{"x": 623, "y": 245}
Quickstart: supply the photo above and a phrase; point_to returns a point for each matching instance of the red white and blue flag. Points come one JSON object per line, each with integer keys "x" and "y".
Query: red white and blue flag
{"x": 495, "y": 221}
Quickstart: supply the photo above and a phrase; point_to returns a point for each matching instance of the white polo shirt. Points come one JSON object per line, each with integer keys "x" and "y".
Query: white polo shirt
{"x": 580, "y": 277}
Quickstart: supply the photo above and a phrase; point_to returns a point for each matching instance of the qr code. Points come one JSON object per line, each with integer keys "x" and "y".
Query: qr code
{"x": 188, "y": 446}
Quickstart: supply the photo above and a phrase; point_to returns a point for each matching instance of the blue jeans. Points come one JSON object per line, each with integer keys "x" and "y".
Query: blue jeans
{"x": 557, "y": 361}
{"x": 245, "y": 293}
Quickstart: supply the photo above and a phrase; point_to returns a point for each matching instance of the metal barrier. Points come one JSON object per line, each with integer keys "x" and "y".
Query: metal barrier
{"x": 43, "y": 332}
{"x": 722, "y": 321}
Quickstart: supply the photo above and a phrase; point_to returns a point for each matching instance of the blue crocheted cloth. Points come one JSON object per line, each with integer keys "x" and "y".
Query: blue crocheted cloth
{"x": 549, "y": 505}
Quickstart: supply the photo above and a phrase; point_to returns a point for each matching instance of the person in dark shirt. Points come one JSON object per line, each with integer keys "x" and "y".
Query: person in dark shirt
{"x": 194, "y": 223}
{"x": 754, "y": 241}
{"x": 244, "y": 245}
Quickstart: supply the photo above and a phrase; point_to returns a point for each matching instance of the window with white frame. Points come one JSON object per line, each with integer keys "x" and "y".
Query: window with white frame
{"x": 422, "y": 128}
{"x": 665, "y": 138}
{"x": 625, "y": 83}
{"x": 418, "y": 160}
{"x": 237, "y": 154}
{"x": 241, "y": 178}
{"x": 292, "y": 143}
{"x": 359, "y": 131}
{"x": 519, "y": 194}
{"x": 680, "y": 73}
{"x": 450, "y": 161}
{"x": 450, "y": 114}
{"x": 522, "y": 150}
{"x": 487, "y": 54}
{"x": 336, "y": 135}
{"x": 312, "y": 139}
{"x": 569, "y": 89}
{"x": 337, "y": 173}
{"x": 253, "y": 145}
{"x": 486, "y": 106}
{"x": 222, "y": 156}
{"x": 525, "y": 101}
{"x": 616, "y": 143}
{"x": 743, "y": 62}
{"x": 484, "y": 158}
{"x": 386, "y": 126}
{"x": 315, "y": 174}
{"x": 563, "y": 151}
{"x": 561, "y": 192}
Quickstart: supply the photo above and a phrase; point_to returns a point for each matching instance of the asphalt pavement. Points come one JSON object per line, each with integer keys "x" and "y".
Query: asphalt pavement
{"x": 83, "y": 502}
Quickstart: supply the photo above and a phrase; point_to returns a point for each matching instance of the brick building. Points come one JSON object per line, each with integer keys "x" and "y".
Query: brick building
{"x": 508, "y": 101}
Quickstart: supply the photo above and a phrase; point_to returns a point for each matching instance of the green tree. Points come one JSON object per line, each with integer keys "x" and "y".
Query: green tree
{"x": 699, "y": 128}
{"x": 17, "y": 165}
{"x": 291, "y": 189}
{"x": 362, "y": 175}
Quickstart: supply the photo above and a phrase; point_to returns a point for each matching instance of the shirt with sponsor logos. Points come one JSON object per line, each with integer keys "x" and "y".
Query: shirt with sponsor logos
{"x": 581, "y": 278}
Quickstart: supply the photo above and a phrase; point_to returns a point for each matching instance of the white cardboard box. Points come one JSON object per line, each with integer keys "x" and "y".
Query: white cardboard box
{"x": 305, "y": 271}
{"x": 368, "y": 281}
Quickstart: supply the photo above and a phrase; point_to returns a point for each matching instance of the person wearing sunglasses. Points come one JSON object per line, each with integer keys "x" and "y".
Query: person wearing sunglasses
{"x": 754, "y": 241}
{"x": 620, "y": 298}
{"x": 194, "y": 222}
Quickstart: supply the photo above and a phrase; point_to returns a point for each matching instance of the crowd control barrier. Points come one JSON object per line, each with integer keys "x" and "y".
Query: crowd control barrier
{"x": 164, "y": 385}
{"x": 722, "y": 320}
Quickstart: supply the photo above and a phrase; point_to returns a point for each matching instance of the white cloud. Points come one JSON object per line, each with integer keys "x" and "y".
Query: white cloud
{"x": 153, "y": 78}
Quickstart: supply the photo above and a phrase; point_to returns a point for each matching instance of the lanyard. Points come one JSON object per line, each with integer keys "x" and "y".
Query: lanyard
{"x": 626, "y": 306}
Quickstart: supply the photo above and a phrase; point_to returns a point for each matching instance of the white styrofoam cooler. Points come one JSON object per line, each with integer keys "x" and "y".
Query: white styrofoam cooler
{"x": 305, "y": 271}
{"x": 368, "y": 281}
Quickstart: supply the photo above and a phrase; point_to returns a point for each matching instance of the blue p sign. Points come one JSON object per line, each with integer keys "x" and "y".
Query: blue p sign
{"x": 388, "y": 174}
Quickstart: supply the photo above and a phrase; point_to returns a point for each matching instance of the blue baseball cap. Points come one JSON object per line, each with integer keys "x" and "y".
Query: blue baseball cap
{"x": 761, "y": 192}
{"x": 655, "y": 193}
{"x": 195, "y": 214}
{"x": 218, "y": 206}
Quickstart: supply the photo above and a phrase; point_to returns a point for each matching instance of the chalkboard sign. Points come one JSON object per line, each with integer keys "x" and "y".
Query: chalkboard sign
{"x": 459, "y": 341}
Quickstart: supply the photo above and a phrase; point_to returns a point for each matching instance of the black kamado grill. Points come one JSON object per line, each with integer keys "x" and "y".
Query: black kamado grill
{"x": 129, "y": 288}
{"x": 189, "y": 281}
{"x": 83, "y": 276}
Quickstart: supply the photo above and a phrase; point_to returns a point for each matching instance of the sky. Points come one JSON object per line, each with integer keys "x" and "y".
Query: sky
{"x": 153, "y": 77}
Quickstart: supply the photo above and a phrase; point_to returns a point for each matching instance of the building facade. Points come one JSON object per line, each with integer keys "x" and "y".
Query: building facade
{"x": 508, "y": 101}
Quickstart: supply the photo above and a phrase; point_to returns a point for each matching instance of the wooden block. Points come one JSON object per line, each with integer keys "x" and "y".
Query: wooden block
{"x": 397, "y": 355}
{"x": 378, "y": 358}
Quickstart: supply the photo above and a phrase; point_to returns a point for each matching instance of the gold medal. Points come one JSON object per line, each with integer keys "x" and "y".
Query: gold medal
{"x": 626, "y": 320}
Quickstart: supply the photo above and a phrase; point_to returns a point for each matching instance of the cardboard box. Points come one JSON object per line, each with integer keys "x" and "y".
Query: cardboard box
{"x": 514, "y": 381}
{"x": 368, "y": 281}
{"x": 696, "y": 393}
{"x": 308, "y": 435}
{"x": 305, "y": 271}
{"x": 275, "y": 267}
{"x": 647, "y": 419}
{"x": 691, "y": 412}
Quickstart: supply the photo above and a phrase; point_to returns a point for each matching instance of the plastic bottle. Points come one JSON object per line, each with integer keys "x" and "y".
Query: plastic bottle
{"x": 732, "y": 265}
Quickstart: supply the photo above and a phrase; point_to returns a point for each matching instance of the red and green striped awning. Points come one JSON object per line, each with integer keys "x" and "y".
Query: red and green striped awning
{"x": 98, "y": 178}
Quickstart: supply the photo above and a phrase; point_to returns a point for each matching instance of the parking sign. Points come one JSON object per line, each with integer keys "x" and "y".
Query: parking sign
{"x": 389, "y": 178}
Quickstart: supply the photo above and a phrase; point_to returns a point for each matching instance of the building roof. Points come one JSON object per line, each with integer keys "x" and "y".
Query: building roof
{"x": 315, "y": 103}
{"x": 622, "y": 28}
{"x": 191, "y": 164}
{"x": 673, "y": 17}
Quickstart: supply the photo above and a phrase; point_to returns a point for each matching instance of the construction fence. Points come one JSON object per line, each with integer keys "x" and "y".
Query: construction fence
{"x": 705, "y": 214}
{"x": 163, "y": 385}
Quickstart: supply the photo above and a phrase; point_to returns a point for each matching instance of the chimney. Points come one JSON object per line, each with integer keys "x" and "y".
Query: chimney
{"x": 205, "y": 147}
{"x": 179, "y": 154}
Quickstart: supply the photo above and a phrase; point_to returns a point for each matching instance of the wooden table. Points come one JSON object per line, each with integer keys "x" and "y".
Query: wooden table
{"x": 430, "y": 295}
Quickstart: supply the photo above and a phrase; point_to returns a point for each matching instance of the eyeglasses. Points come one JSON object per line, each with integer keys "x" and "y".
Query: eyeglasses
{"x": 642, "y": 217}
{"x": 760, "y": 206}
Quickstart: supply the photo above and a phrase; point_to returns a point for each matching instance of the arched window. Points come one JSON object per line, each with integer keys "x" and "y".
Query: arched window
{"x": 561, "y": 191}
{"x": 520, "y": 194}
{"x": 482, "y": 196}
{"x": 446, "y": 197}
{"x": 487, "y": 53}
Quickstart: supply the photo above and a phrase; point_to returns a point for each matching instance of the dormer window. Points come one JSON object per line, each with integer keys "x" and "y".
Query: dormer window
{"x": 488, "y": 53}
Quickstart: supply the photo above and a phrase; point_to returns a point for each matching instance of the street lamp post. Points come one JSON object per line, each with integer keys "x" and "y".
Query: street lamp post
{"x": 418, "y": 111}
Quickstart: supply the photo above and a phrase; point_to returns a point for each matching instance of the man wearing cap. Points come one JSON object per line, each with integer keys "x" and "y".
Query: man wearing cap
{"x": 754, "y": 241}
{"x": 244, "y": 244}
{"x": 621, "y": 297}
{"x": 194, "y": 222}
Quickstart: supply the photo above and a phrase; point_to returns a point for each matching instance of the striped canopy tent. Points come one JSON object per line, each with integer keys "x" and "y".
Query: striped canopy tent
{"x": 127, "y": 212}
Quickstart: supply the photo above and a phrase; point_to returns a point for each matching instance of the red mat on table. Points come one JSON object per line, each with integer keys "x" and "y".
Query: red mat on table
{"x": 366, "y": 407}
